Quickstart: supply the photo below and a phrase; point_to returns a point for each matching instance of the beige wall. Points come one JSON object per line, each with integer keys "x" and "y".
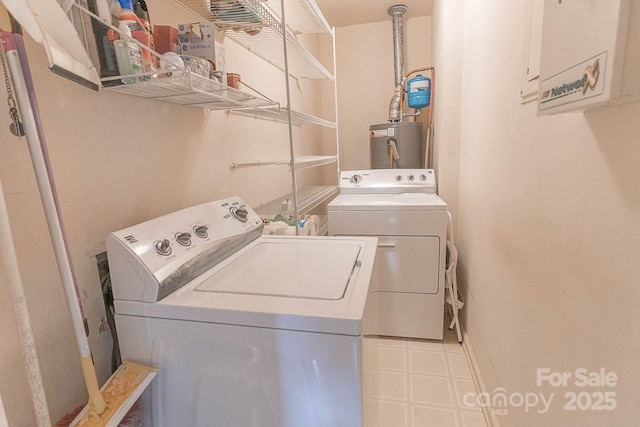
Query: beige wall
{"x": 366, "y": 82}
{"x": 548, "y": 223}
{"x": 119, "y": 160}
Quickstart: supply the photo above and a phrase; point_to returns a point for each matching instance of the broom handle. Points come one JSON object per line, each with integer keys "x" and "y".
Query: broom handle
{"x": 21, "y": 78}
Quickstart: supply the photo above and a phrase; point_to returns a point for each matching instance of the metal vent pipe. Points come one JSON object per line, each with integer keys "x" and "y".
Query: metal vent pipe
{"x": 396, "y": 13}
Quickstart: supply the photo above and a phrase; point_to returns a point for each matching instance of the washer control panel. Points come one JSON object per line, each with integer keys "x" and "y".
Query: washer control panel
{"x": 174, "y": 248}
{"x": 388, "y": 181}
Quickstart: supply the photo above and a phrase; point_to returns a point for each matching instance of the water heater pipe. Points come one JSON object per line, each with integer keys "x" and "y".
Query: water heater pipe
{"x": 395, "y": 105}
{"x": 396, "y": 13}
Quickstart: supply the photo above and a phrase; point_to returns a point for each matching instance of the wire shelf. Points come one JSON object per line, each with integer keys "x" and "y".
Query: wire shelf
{"x": 281, "y": 115}
{"x": 256, "y": 26}
{"x": 303, "y": 16}
{"x": 309, "y": 197}
{"x": 302, "y": 162}
{"x": 186, "y": 88}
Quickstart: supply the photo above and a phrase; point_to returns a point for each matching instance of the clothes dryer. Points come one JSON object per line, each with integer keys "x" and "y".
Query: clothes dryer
{"x": 401, "y": 208}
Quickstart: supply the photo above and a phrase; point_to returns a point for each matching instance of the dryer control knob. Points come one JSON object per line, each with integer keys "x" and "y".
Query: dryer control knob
{"x": 201, "y": 231}
{"x": 398, "y": 177}
{"x": 356, "y": 179}
{"x": 183, "y": 238}
{"x": 162, "y": 247}
{"x": 240, "y": 214}
{"x": 410, "y": 177}
{"x": 423, "y": 177}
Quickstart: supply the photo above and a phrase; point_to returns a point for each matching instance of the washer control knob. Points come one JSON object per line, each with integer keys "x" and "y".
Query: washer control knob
{"x": 201, "y": 231}
{"x": 398, "y": 177}
{"x": 410, "y": 177}
{"x": 240, "y": 214}
{"x": 162, "y": 247}
{"x": 183, "y": 238}
{"x": 356, "y": 179}
{"x": 423, "y": 177}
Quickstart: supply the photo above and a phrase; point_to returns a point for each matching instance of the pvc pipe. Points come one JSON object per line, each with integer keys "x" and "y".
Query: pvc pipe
{"x": 27, "y": 343}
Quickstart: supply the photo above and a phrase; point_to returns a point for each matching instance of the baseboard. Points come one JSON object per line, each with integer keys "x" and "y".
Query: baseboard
{"x": 488, "y": 411}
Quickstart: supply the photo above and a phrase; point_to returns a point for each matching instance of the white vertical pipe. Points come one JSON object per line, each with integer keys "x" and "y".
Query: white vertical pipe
{"x": 27, "y": 343}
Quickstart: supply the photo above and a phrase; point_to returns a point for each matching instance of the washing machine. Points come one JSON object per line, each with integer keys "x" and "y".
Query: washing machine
{"x": 245, "y": 329}
{"x": 402, "y": 209}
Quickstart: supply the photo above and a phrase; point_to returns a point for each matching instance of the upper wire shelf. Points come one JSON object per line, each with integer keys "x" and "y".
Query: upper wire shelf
{"x": 186, "y": 88}
{"x": 257, "y": 26}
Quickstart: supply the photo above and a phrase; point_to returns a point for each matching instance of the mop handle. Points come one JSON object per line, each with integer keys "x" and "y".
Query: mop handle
{"x": 46, "y": 193}
{"x": 21, "y": 78}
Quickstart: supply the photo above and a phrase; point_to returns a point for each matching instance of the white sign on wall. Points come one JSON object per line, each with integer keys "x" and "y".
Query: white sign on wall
{"x": 582, "y": 81}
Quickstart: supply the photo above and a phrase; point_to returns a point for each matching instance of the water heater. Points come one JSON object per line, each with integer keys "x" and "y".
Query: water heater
{"x": 590, "y": 54}
{"x": 397, "y": 145}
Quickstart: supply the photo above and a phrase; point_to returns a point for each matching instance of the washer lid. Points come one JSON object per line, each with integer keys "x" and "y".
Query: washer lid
{"x": 291, "y": 288}
{"x": 297, "y": 269}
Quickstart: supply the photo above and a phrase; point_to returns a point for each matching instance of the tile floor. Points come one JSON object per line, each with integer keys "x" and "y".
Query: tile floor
{"x": 417, "y": 383}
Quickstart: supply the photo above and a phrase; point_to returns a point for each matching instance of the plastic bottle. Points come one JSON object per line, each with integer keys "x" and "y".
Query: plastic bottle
{"x": 141, "y": 10}
{"x": 104, "y": 46}
{"x": 138, "y": 31}
{"x": 128, "y": 55}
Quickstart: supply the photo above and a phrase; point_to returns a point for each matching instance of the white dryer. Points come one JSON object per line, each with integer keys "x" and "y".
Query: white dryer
{"x": 246, "y": 329}
{"x": 402, "y": 209}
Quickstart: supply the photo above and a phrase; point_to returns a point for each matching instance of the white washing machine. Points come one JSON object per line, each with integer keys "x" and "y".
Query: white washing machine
{"x": 402, "y": 209}
{"x": 246, "y": 329}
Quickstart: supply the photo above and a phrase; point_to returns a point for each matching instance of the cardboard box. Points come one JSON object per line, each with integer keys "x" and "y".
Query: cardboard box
{"x": 166, "y": 39}
{"x": 197, "y": 39}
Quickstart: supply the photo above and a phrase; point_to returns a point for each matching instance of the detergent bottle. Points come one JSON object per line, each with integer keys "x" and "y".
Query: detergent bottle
{"x": 139, "y": 31}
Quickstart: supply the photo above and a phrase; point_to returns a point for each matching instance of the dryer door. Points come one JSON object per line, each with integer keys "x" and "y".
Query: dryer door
{"x": 408, "y": 264}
